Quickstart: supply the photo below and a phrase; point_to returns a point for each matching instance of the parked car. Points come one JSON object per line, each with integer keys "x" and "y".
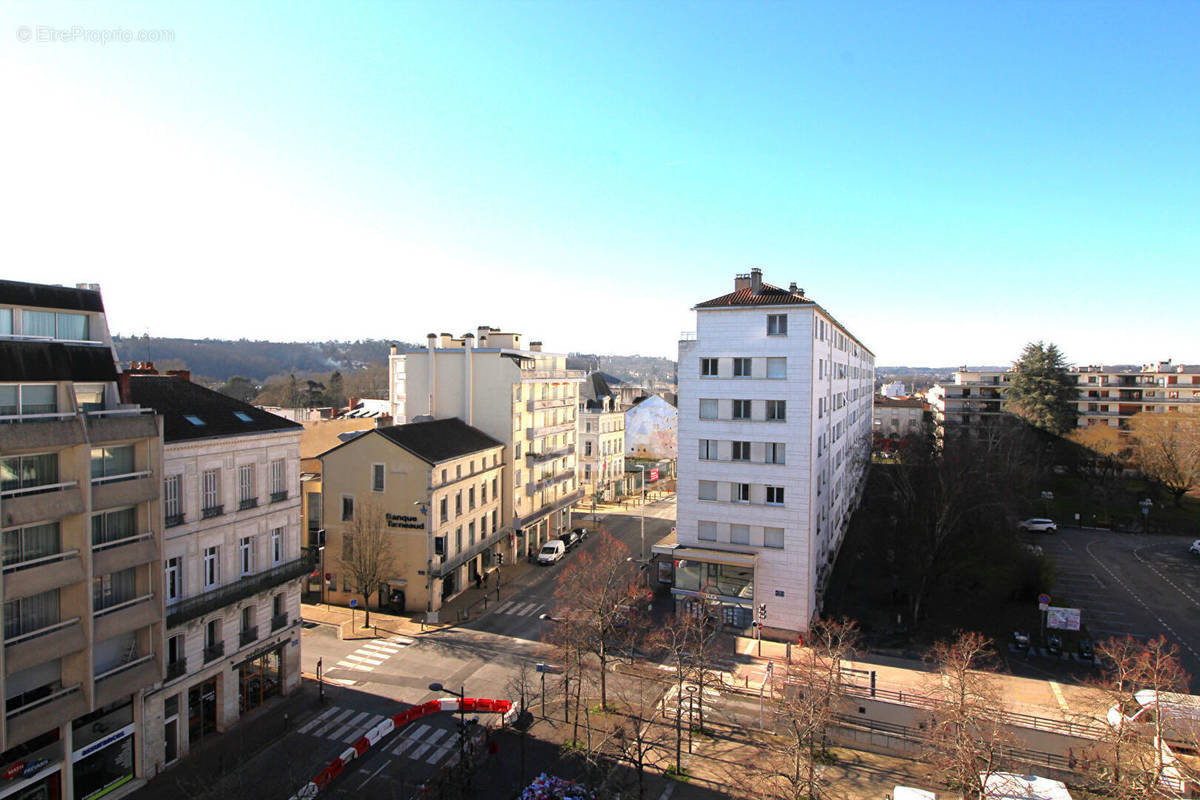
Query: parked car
{"x": 1195, "y": 548}
{"x": 1020, "y": 640}
{"x": 1038, "y": 525}
{"x": 581, "y": 531}
{"x": 551, "y": 551}
{"x": 570, "y": 539}
{"x": 1086, "y": 651}
{"x": 1054, "y": 644}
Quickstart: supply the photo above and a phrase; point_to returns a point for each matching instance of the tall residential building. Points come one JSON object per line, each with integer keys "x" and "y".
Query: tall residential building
{"x": 82, "y": 528}
{"x": 526, "y": 399}
{"x": 774, "y": 439}
{"x": 231, "y": 560}
{"x": 601, "y": 439}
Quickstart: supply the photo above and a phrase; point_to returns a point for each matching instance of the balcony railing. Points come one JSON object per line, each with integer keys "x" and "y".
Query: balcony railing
{"x": 278, "y": 622}
{"x": 534, "y": 457}
{"x": 453, "y": 562}
{"x": 213, "y": 652}
{"x": 533, "y": 487}
{"x": 248, "y": 636}
{"x": 37, "y": 562}
{"x": 41, "y": 701}
{"x": 174, "y": 519}
{"x": 40, "y": 488}
{"x": 124, "y": 476}
{"x": 212, "y": 511}
{"x": 176, "y": 668}
{"x": 248, "y": 586}
{"x": 550, "y": 430}
{"x": 249, "y": 502}
{"x": 279, "y": 497}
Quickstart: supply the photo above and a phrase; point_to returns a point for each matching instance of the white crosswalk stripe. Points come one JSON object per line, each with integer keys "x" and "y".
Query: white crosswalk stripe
{"x": 428, "y": 743}
{"x": 374, "y": 653}
{"x": 410, "y": 740}
{"x": 359, "y": 730}
{"x": 352, "y": 665}
{"x": 349, "y": 725}
{"x": 333, "y": 722}
{"x": 374, "y": 662}
{"x": 315, "y": 721}
{"x": 518, "y": 609}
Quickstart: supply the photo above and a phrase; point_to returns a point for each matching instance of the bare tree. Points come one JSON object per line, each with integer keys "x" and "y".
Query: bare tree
{"x": 525, "y": 686}
{"x": 677, "y": 640}
{"x": 1166, "y": 448}
{"x": 967, "y": 739}
{"x": 367, "y": 556}
{"x": 637, "y": 733}
{"x": 598, "y": 595}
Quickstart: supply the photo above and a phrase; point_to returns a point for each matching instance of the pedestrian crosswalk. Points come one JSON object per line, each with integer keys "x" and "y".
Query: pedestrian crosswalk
{"x": 425, "y": 743}
{"x": 518, "y": 609}
{"x": 418, "y": 742}
{"x": 374, "y": 653}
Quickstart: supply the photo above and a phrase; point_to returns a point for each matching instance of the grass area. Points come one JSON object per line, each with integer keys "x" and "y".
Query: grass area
{"x": 1117, "y": 506}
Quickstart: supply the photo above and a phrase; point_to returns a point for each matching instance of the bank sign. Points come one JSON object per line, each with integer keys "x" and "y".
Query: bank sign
{"x": 404, "y": 521}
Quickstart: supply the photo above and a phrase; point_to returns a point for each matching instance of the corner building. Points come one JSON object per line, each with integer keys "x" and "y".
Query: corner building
{"x": 82, "y": 530}
{"x": 774, "y": 440}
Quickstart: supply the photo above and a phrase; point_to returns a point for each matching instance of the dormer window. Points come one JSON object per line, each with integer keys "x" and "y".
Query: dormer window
{"x": 194, "y": 420}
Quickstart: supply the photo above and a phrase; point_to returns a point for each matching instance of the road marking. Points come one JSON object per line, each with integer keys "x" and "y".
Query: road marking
{"x": 372, "y": 661}
{"x": 1058, "y": 695}
{"x": 373, "y": 774}
{"x": 446, "y": 747}
{"x": 502, "y": 608}
{"x": 424, "y": 748}
{"x": 335, "y": 721}
{"x": 1138, "y": 555}
{"x": 315, "y": 721}
{"x": 357, "y": 733}
{"x": 352, "y": 665}
{"x": 352, "y": 723}
{"x": 379, "y": 648}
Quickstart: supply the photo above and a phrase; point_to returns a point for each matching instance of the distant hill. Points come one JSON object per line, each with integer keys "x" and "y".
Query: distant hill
{"x": 638, "y": 370}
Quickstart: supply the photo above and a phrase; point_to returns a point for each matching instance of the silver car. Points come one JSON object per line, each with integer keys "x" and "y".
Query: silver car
{"x": 1038, "y": 525}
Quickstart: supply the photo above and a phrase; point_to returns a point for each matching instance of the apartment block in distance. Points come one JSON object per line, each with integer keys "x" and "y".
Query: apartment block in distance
{"x": 526, "y": 399}
{"x": 601, "y": 439}
{"x": 231, "y": 563}
{"x": 82, "y": 528}
{"x": 436, "y": 489}
{"x": 774, "y": 438}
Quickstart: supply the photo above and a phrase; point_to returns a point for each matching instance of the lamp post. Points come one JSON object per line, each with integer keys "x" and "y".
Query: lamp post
{"x": 462, "y": 725}
{"x": 642, "y": 468}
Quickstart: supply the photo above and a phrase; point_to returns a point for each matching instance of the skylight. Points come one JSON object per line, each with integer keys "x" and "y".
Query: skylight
{"x": 194, "y": 420}
{"x": 243, "y": 416}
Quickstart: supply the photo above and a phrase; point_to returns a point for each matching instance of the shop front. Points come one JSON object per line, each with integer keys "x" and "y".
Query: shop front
{"x": 718, "y": 578}
{"x": 260, "y": 678}
{"x": 202, "y": 710}
{"x": 103, "y": 743}
{"x": 33, "y": 770}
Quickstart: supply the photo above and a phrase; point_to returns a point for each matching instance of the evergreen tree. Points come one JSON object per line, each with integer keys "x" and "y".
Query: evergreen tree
{"x": 1042, "y": 391}
{"x": 335, "y": 394}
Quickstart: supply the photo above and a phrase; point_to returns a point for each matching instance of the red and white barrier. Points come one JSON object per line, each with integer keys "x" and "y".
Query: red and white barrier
{"x": 364, "y": 743}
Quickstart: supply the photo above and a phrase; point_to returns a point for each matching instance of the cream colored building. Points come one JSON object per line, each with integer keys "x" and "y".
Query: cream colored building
{"x": 231, "y": 562}
{"x": 895, "y": 417}
{"x": 82, "y": 529}
{"x": 600, "y": 450}
{"x": 526, "y": 399}
{"x": 437, "y": 487}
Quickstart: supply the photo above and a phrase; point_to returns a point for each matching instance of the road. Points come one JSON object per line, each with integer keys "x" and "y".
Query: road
{"x": 1130, "y": 585}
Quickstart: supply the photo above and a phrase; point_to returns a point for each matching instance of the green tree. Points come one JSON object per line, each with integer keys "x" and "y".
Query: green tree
{"x": 239, "y": 387}
{"x": 335, "y": 394}
{"x": 1042, "y": 391}
{"x": 291, "y": 392}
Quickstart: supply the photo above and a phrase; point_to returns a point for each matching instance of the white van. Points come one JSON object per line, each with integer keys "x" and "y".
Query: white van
{"x": 551, "y": 551}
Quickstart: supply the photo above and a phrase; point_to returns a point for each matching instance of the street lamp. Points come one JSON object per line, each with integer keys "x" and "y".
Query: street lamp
{"x": 462, "y": 725}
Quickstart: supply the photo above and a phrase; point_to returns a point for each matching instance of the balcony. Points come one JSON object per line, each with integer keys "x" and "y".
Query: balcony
{"x": 279, "y": 622}
{"x": 125, "y": 617}
{"x": 123, "y": 490}
{"x": 40, "y": 432}
{"x": 248, "y": 586}
{"x": 550, "y": 430}
{"x": 36, "y": 503}
{"x": 249, "y": 502}
{"x": 40, "y": 646}
{"x": 248, "y": 636}
{"x": 176, "y": 669}
{"x": 214, "y": 651}
{"x": 31, "y": 719}
{"x": 558, "y": 505}
{"x": 532, "y": 457}
{"x": 124, "y": 553}
{"x": 173, "y": 520}
{"x": 212, "y": 511}
{"x": 279, "y": 497}
{"x": 453, "y": 562}
{"x": 37, "y": 575}
{"x": 121, "y": 425}
{"x": 532, "y": 488}
{"x": 126, "y": 679}
{"x": 549, "y": 402}
{"x": 552, "y": 374}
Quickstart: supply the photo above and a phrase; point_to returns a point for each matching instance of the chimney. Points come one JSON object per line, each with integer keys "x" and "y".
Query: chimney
{"x": 123, "y": 387}
{"x": 186, "y": 374}
{"x": 741, "y": 281}
{"x": 447, "y": 339}
{"x": 535, "y": 347}
{"x": 392, "y": 349}
{"x": 432, "y": 337}
{"x": 469, "y": 341}
{"x": 755, "y": 280}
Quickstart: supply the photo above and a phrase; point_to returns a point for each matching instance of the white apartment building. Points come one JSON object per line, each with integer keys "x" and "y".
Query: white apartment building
{"x": 774, "y": 437}
{"x": 601, "y": 439}
{"x": 895, "y": 417}
{"x": 82, "y": 530}
{"x": 526, "y": 399}
{"x": 231, "y": 560}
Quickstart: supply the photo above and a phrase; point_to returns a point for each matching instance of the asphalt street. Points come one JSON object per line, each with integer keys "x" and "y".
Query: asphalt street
{"x": 1128, "y": 584}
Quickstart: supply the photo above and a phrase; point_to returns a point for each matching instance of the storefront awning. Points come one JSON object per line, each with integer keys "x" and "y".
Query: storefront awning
{"x": 666, "y": 545}
{"x": 707, "y": 556}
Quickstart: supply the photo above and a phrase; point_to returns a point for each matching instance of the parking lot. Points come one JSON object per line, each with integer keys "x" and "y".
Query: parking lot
{"x": 1129, "y": 584}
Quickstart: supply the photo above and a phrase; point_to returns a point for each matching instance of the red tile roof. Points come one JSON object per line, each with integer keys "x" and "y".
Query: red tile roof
{"x": 768, "y": 295}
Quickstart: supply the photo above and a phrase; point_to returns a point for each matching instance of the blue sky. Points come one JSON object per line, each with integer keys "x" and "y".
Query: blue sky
{"x": 950, "y": 180}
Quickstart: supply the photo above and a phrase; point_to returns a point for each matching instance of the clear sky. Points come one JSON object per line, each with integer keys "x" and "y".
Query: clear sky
{"x": 951, "y": 180}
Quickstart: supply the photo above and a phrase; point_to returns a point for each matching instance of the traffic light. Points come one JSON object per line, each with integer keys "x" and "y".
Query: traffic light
{"x": 500, "y": 559}
{"x": 762, "y": 611}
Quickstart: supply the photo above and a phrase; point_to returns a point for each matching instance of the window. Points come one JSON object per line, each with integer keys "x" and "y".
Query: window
{"x": 742, "y": 367}
{"x": 741, "y": 409}
{"x": 739, "y": 534}
{"x": 30, "y": 614}
{"x": 483, "y": 493}
{"x": 172, "y": 500}
{"x": 471, "y": 498}
{"x": 458, "y": 546}
{"x": 495, "y": 485}
{"x": 34, "y": 542}
{"x": 6, "y": 322}
{"x": 112, "y": 526}
{"x": 247, "y": 492}
{"x": 276, "y": 545}
{"x": 246, "y": 554}
{"x": 51, "y": 325}
{"x": 495, "y": 519}
{"x": 470, "y": 534}
{"x": 775, "y": 453}
{"x": 199, "y": 423}
{"x": 706, "y": 531}
{"x": 708, "y": 490}
{"x": 776, "y": 324}
{"x": 708, "y": 367}
{"x": 773, "y": 537}
{"x": 212, "y": 566}
{"x": 175, "y": 654}
{"x": 741, "y": 451}
{"x": 174, "y": 579}
{"x": 28, "y": 472}
{"x": 247, "y": 619}
{"x": 777, "y": 410}
{"x": 739, "y": 492}
{"x": 776, "y": 367}
{"x": 444, "y": 512}
{"x": 108, "y": 462}
{"x": 708, "y": 409}
{"x": 377, "y": 477}
{"x": 774, "y": 495}
{"x": 16, "y": 399}
{"x": 458, "y": 504}
{"x": 114, "y": 588}
{"x": 278, "y": 479}
{"x": 347, "y": 508}
{"x": 587, "y": 448}
{"x": 517, "y": 478}
{"x": 212, "y": 634}
{"x": 211, "y": 490}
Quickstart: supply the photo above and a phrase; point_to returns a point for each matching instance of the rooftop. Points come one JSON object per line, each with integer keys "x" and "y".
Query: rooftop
{"x": 40, "y": 295}
{"x": 190, "y": 411}
{"x": 436, "y": 440}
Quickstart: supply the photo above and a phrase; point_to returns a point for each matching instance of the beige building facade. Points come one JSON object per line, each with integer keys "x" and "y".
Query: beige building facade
{"x": 435, "y": 489}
